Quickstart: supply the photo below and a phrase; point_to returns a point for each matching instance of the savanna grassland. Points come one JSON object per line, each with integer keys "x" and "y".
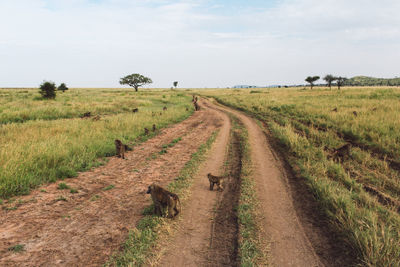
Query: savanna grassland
{"x": 46, "y": 140}
{"x": 358, "y": 191}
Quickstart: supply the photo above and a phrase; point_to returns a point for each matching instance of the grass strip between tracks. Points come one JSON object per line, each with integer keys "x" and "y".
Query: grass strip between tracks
{"x": 144, "y": 237}
{"x": 252, "y": 250}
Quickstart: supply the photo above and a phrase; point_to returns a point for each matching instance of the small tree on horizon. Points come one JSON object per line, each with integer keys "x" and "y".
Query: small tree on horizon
{"x": 62, "y": 87}
{"x": 329, "y": 79}
{"x": 175, "y": 84}
{"x": 135, "y": 80}
{"x": 48, "y": 90}
{"x": 340, "y": 81}
{"x": 311, "y": 80}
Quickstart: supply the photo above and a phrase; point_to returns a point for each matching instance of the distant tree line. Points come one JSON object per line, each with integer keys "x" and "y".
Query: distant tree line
{"x": 355, "y": 81}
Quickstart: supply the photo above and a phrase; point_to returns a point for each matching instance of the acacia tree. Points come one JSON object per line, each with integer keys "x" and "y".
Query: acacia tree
{"x": 311, "y": 80}
{"x": 340, "y": 81}
{"x": 329, "y": 79}
{"x": 48, "y": 90}
{"x": 135, "y": 80}
{"x": 175, "y": 84}
{"x": 62, "y": 87}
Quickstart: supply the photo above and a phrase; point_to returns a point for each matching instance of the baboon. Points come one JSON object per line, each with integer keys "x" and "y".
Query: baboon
{"x": 146, "y": 131}
{"x": 342, "y": 152}
{"x": 120, "y": 148}
{"x": 154, "y": 127}
{"x": 196, "y": 106}
{"x": 355, "y": 113}
{"x": 135, "y": 110}
{"x": 335, "y": 109}
{"x": 215, "y": 180}
{"x": 187, "y": 109}
{"x": 96, "y": 118}
{"x": 196, "y": 98}
{"x": 163, "y": 198}
{"x": 193, "y": 98}
{"x": 86, "y": 115}
{"x": 164, "y": 108}
{"x": 374, "y": 109}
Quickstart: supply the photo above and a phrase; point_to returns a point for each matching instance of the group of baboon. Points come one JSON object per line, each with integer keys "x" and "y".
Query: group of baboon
{"x": 161, "y": 197}
{"x": 196, "y": 106}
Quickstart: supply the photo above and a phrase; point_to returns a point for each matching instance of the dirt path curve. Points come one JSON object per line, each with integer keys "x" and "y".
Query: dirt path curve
{"x": 289, "y": 243}
{"x": 189, "y": 247}
{"x": 59, "y": 228}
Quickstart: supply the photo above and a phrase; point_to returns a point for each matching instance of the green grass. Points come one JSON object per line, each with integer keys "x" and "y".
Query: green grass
{"x": 109, "y": 187}
{"x": 62, "y": 186}
{"x": 308, "y": 131}
{"x": 54, "y": 143}
{"x": 17, "y": 248}
{"x": 141, "y": 239}
{"x": 252, "y": 249}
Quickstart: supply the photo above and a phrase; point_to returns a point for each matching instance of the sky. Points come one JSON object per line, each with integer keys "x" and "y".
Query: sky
{"x": 199, "y": 43}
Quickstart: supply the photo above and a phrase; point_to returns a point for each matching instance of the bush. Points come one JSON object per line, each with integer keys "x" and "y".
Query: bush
{"x": 62, "y": 87}
{"x": 48, "y": 90}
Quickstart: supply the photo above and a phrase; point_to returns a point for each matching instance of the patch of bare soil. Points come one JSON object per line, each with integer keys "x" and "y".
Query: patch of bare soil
{"x": 60, "y": 228}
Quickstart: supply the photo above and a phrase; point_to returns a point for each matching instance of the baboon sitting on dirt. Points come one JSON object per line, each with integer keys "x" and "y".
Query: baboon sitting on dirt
{"x": 215, "y": 180}
{"x": 121, "y": 148}
{"x": 163, "y": 198}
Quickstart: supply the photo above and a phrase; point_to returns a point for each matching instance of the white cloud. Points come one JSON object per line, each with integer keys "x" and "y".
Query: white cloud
{"x": 84, "y": 43}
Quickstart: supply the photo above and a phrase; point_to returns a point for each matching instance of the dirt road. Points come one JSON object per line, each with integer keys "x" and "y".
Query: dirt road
{"x": 58, "y": 228}
{"x": 83, "y": 229}
{"x": 290, "y": 245}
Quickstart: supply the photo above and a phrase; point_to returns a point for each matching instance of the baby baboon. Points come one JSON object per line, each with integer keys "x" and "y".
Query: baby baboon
{"x": 120, "y": 148}
{"x": 135, "y": 110}
{"x": 335, "y": 109}
{"x": 164, "y": 108}
{"x": 355, "y": 113}
{"x": 86, "y": 115}
{"x": 146, "y": 131}
{"x": 154, "y": 127}
{"x": 215, "y": 180}
{"x": 163, "y": 198}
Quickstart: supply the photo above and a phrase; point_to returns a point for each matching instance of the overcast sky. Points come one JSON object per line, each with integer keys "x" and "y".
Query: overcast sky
{"x": 200, "y": 43}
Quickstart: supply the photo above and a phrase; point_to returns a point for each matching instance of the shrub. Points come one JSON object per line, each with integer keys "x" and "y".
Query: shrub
{"x": 48, "y": 90}
{"x": 62, "y": 87}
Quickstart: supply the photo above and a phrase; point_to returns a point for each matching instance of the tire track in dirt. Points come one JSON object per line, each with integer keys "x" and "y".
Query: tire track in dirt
{"x": 92, "y": 224}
